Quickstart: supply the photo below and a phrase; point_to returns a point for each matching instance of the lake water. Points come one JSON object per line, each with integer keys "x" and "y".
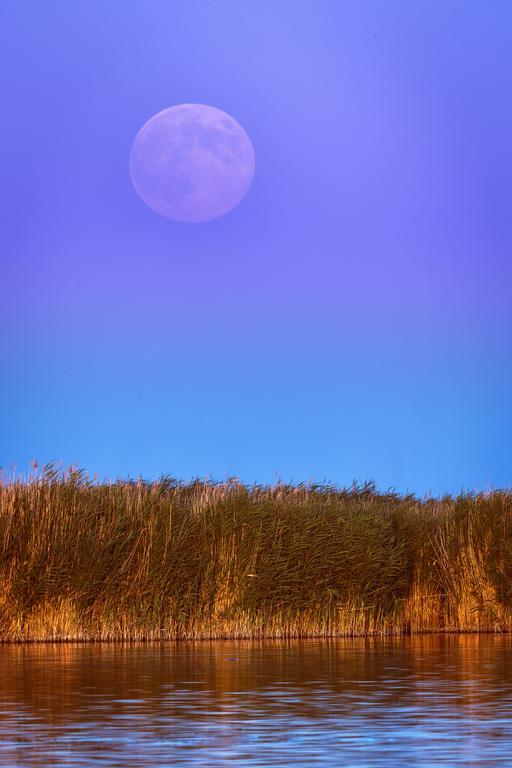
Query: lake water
{"x": 421, "y": 701}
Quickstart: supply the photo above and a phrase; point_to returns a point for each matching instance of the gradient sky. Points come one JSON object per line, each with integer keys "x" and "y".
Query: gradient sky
{"x": 351, "y": 319}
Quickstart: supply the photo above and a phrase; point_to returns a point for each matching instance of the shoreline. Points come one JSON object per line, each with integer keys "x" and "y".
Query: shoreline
{"x": 259, "y": 639}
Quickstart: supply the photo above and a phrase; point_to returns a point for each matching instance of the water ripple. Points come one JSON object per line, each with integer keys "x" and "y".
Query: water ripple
{"x": 378, "y": 703}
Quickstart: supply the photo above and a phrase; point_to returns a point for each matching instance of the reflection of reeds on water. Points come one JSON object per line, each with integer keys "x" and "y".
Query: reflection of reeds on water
{"x": 135, "y": 560}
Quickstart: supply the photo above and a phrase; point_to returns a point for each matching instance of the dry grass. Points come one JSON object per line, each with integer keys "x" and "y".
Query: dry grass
{"x": 81, "y": 560}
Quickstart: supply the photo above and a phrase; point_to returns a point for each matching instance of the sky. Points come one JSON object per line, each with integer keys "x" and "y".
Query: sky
{"x": 350, "y": 320}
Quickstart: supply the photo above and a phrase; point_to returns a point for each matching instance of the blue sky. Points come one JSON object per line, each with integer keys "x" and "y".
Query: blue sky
{"x": 351, "y": 319}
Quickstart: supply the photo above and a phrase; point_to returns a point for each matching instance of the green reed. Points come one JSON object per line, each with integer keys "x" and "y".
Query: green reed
{"x": 137, "y": 560}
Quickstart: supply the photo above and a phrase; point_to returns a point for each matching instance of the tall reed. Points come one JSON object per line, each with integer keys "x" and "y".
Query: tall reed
{"x": 135, "y": 560}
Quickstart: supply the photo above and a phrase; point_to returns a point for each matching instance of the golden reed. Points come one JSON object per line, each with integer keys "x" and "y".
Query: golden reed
{"x": 164, "y": 560}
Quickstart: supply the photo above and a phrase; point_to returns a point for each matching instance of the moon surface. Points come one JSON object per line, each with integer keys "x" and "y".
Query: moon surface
{"x": 192, "y": 163}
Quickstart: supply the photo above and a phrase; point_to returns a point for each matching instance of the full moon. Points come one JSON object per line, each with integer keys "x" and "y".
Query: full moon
{"x": 192, "y": 163}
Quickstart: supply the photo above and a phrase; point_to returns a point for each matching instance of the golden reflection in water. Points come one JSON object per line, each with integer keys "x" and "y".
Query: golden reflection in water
{"x": 57, "y": 678}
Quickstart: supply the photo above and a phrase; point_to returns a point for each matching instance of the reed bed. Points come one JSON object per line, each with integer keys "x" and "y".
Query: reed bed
{"x": 82, "y": 560}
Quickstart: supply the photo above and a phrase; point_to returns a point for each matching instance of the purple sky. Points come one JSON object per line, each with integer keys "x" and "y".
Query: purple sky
{"x": 351, "y": 319}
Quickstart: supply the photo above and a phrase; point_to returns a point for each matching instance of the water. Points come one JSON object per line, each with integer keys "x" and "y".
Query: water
{"x": 388, "y": 702}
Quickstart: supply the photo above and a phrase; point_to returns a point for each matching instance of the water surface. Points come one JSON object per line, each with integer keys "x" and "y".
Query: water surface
{"x": 386, "y": 702}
